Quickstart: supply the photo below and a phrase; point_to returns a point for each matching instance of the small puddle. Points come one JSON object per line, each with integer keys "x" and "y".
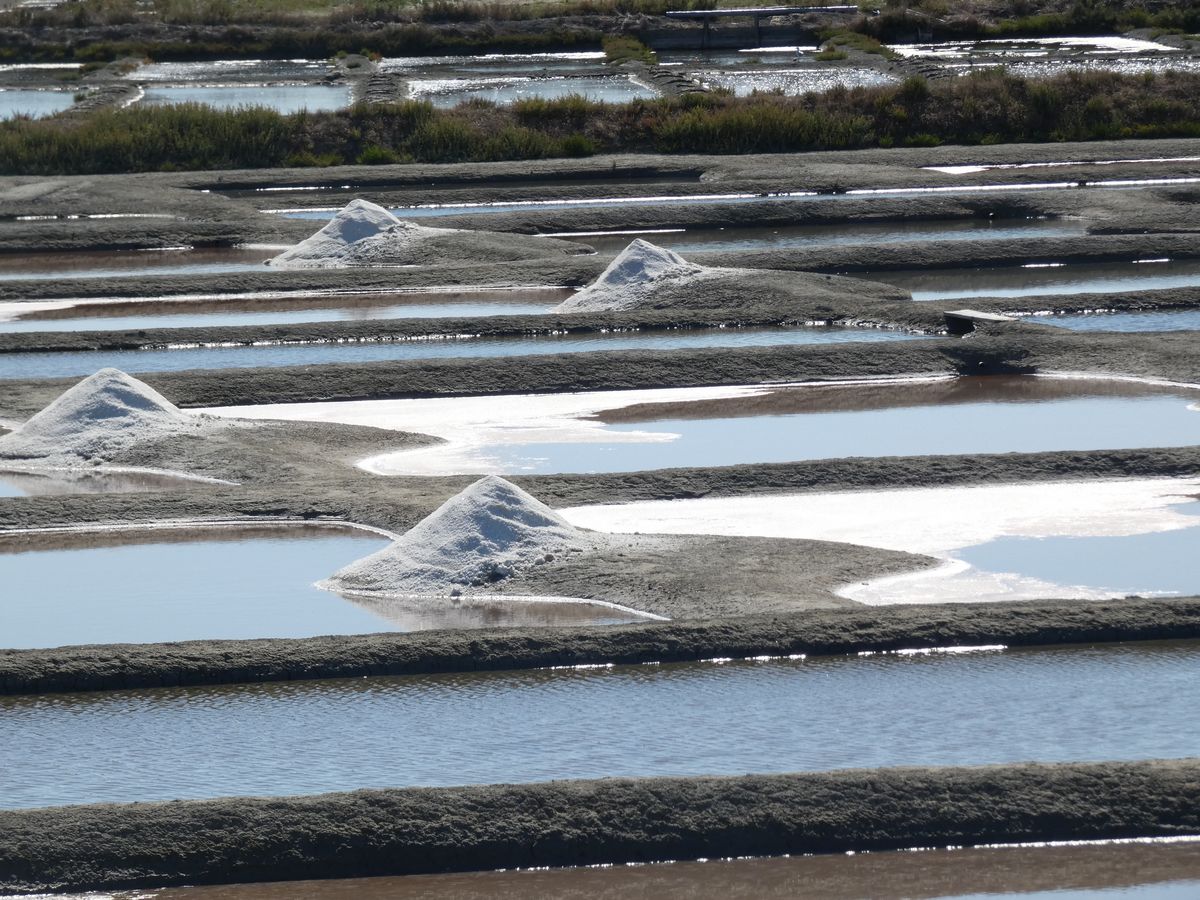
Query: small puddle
{"x": 1111, "y": 702}
{"x": 114, "y": 264}
{"x": 54, "y": 365}
{"x": 32, "y": 103}
{"x": 45, "y": 484}
{"x": 221, "y": 583}
{"x": 629, "y": 431}
{"x": 733, "y": 240}
{"x": 1149, "y": 869}
{"x": 129, "y": 315}
{"x": 505, "y": 90}
{"x": 285, "y": 98}
{"x": 1043, "y": 279}
{"x": 1163, "y": 320}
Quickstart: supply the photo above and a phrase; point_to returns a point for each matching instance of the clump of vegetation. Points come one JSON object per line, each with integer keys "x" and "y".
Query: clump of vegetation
{"x": 853, "y": 40}
{"x": 619, "y": 48}
{"x": 983, "y": 108}
{"x": 831, "y": 54}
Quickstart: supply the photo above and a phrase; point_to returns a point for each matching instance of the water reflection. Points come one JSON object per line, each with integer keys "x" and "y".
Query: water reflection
{"x": 1140, "y": 871}
{"x": 186, "y": 313}
{"x": 1116, "y": 702}
{"x": 1043, "y": 280}
{"x": 54, "y": 365}
{"x": 1164, "y": 320}
{"x": 968, "y": 415}
{"x": 145, "y": 586}
{"x": 285, "y": 99}
{"x": 43, "y": 484}
{"x": 116, "y": 263}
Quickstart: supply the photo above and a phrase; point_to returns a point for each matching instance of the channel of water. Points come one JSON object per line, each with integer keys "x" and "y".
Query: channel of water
{"x": 1114, "y": 702}
{"x": 52, "y": 365}
{"x": 1043, "y": 279}
{"x": 1101, "y": 870}
{"x": 214, "y": 310}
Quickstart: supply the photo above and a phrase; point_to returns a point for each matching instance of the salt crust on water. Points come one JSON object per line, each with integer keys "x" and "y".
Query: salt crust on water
{"x": 95, "y": 420}
{"x": 361, "y": 234}
{"x": 633, "y": 276}
{"x": 489, "y": 531}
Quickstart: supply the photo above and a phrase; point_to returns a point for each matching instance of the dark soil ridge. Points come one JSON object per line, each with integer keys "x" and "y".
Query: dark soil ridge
{"x": 817, "y": 632}
{"x": 576, "y": 271}
{"x": 565, "y": 823}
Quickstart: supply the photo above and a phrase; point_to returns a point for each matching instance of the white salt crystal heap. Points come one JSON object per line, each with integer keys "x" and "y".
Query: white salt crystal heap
{"x": 96, "y": 419}
{"x": 484, "y": 534}
{"x": 630, "y": 279}
{"x": 360, "y": 232}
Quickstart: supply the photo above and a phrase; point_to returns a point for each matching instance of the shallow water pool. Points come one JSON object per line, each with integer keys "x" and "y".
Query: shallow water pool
{"x": 156, "y": 585}
{"x": 1116, "y": 702}
{"x": 450, "y": 92}
{"x": 117, "y": 263}
{"x": 732, "y": 240}
{"x": 1038, "y": 280}
{"x": 285, "y": 98}
{"x": 1161, "y": 320}
{"x": 620, "y": 432}
{"x": 794, "y": 81}
{"x": 35, "y": 104}
{"x": 42, "y": 484}
{"x": 49, "y": 365}
{"x": 129, "y": 315}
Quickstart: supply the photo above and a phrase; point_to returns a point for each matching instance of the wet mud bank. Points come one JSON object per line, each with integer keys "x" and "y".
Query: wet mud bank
{"x": 395, "y": 504}
{"x": 397, "y": 832}
{"x": 811, "y": 632}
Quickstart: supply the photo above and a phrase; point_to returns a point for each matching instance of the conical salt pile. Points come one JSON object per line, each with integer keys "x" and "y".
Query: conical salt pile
{"x": 358, "y": 220}
{"x": 101, "y": 414}
{"x": 487, "y": 532}
{"x": 630, "y": 277}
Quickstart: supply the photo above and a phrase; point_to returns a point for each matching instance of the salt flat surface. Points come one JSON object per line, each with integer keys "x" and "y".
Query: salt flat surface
{"x": 931, "y": 521}
{"x": 468, "y": 423}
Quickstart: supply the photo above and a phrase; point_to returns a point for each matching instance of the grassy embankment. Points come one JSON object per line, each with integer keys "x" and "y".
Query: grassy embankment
{"x": 989, "y": 107}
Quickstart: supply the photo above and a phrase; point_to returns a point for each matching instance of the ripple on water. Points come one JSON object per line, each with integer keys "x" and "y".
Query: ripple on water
{"x": 1113, "y": 702}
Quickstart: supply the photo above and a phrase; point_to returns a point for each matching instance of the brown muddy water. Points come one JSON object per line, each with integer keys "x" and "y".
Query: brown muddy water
{"x": 128, "y": 314}
{"x": 1108, "y": 702}
{"x": 116, "y": 263}
{"x": 151, "y": 585}
{"x": 29, "y": 484}
{"x": 1108, "y": 870}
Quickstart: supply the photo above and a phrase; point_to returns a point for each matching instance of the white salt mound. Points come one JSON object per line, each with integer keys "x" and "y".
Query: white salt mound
{"x": 360, "y": 233}
{"x": 482, "y": 535}
{"x": 628, "y": 281}
{"x": 101, "y": 415}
